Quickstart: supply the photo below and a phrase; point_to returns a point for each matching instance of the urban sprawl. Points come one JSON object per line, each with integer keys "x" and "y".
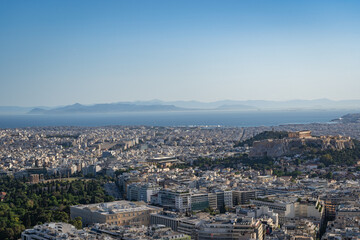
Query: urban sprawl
{"x": 201, "y": 182}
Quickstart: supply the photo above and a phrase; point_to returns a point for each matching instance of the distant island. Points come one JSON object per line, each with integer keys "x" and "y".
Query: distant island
{"x": 166, "y": 106}
{"x": 224, "y": 105}
{"x": 104, "y": 108}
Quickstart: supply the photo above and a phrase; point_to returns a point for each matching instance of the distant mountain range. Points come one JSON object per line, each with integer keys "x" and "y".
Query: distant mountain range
{"x": 105, "y": 108}
{"x": 264, "y": 105}
{"x": 158, "y": 105}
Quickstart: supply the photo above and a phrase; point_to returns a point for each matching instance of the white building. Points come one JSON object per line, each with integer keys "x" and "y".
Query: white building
{"x": 59, "y": 231}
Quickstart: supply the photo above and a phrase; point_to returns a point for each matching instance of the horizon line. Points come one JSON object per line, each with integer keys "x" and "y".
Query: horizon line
{"x": 165, "y": 101}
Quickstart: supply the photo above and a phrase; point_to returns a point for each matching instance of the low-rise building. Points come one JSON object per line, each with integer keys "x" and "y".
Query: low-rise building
{"x": 60, "y": 231}
{"x": 239, "y": 229}
{"x": 119, "y": 213}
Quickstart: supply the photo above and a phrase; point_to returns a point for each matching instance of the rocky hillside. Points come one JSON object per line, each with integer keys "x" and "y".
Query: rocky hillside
{"x": 290, "y": 146}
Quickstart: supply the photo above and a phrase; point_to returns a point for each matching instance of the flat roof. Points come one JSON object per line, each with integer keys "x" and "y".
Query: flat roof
{"x": 116, "y": 207}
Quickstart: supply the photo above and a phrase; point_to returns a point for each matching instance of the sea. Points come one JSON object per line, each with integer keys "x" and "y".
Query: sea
{"x": 187, "y": 118}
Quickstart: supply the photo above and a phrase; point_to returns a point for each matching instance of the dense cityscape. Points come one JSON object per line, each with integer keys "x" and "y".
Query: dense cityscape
{"x": 179, "y": 120}
{"x": 204, "y": 182}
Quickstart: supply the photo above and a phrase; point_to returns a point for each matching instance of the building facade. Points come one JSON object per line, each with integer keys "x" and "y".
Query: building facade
{"x": 119, "y": 213}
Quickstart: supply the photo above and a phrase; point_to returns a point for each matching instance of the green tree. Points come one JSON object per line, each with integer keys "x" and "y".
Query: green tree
{"x": 326, "y": 159}
{"x": 329, "y": 175}
{"x": 77, "y": 222}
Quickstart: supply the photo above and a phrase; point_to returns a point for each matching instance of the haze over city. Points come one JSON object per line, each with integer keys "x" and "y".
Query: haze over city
{"x": 62, "y": 52}
{"x": 179, "y": 119}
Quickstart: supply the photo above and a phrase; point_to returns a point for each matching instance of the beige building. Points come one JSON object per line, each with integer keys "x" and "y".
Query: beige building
{"x": 300, "y": 134}
{"x": 119, "y": 213}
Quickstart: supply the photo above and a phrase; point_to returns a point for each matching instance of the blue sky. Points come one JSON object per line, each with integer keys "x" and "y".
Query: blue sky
{"x": 62, "y": 52}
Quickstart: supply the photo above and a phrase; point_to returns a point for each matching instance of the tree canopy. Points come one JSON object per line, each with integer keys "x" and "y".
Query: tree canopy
{"x": 262, "y": 136}
{"x": 26, "y": 205}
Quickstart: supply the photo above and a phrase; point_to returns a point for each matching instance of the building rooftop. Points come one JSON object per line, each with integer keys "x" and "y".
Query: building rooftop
{"x": 116, "y": 207}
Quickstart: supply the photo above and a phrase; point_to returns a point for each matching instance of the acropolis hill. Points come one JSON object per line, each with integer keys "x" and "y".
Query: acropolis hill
{"x": 297, "y": 142}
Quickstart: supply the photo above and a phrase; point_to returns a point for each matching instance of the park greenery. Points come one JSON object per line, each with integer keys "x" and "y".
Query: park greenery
{"x": 344, "y": 157}
{"x": 26, "y": 205}
{"x": 262, "y": 136}
{"x": 327, "y": 157}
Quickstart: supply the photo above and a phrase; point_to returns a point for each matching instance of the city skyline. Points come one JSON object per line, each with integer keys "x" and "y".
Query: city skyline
{"x": 179, "y": 119}
{"x": 59, "y": 53}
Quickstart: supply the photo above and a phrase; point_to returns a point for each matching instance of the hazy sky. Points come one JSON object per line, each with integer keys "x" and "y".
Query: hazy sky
{"x": 62, "y": 52}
